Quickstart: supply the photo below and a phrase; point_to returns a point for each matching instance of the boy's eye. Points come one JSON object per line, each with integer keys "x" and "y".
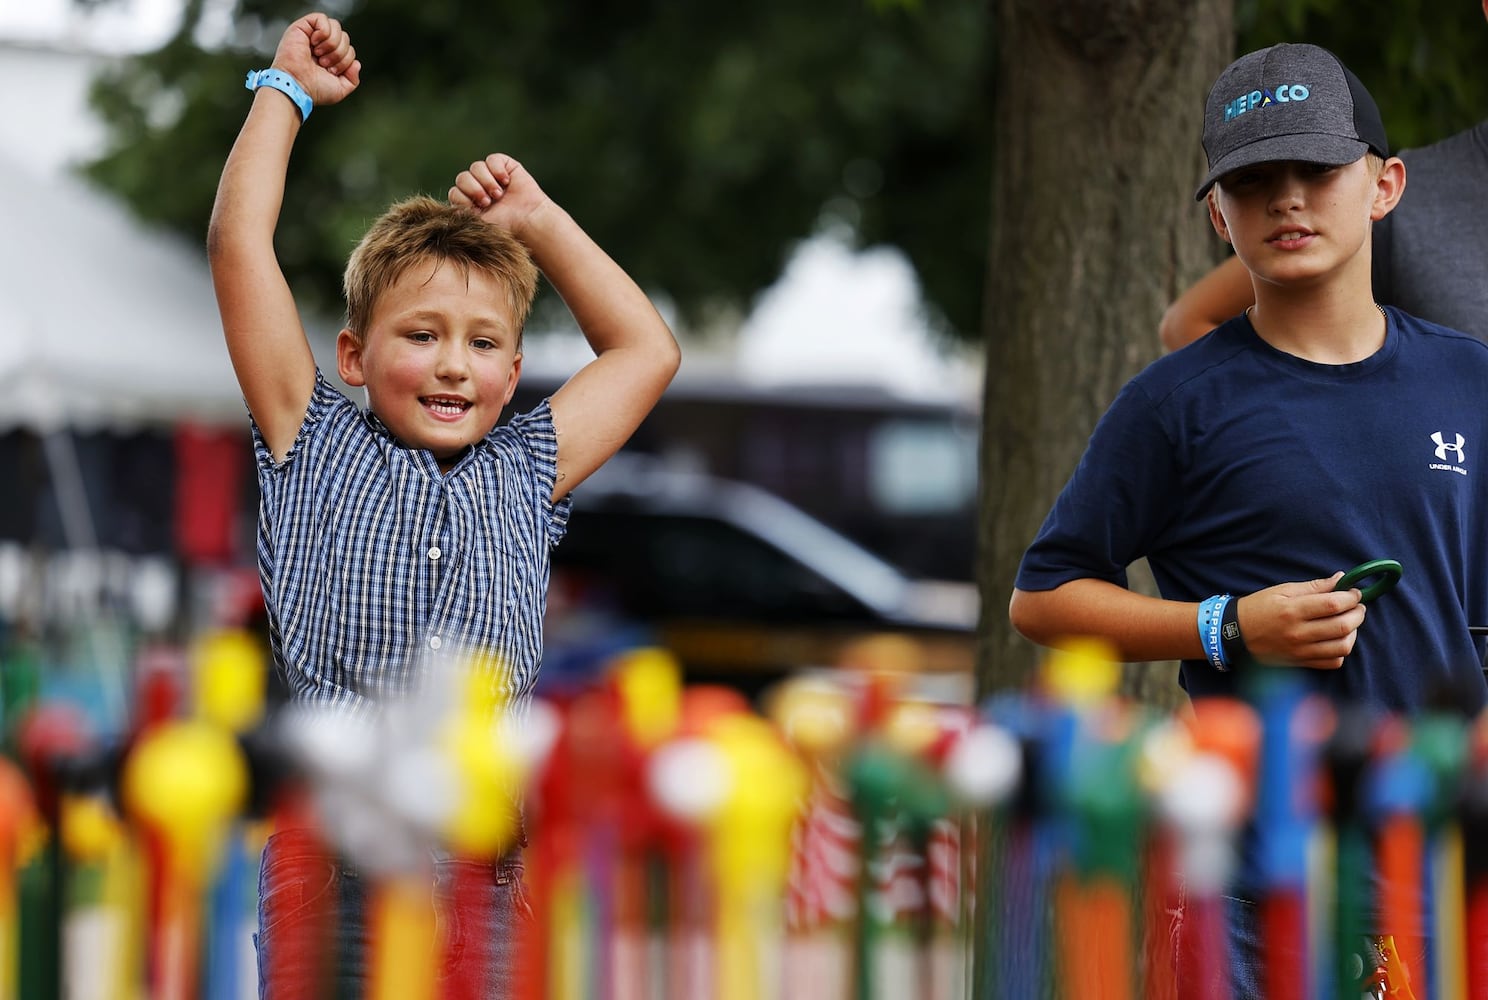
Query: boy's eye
{"x": 483, "y": 344}
{"x": 1247, "y": 176}
{"x": 421, "y": 336}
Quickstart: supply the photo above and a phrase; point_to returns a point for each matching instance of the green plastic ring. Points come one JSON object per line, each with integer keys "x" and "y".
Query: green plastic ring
{"x": 1388, "y": 571}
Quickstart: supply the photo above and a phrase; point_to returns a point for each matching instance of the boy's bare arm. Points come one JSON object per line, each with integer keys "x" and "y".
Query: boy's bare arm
{"x": 598, "y": 409}
{"x": 1139, "y": 627}
{"x": 1305, "y": 623}
{"x": 1223, "y": 293}
{"x": 265, "y": 339}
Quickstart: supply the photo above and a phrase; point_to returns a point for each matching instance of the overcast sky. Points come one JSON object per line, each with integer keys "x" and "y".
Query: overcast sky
{"x": 115, "y": 26}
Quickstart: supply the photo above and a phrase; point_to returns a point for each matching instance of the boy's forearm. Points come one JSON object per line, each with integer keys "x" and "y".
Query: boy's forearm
{"x": 265, "y": 340}
{"x": 1222, "y": 293}
{"x": 609, "y": 307}
{"x": 250, "y": 192}
{"x": 1141, "y": 628}
{"x": 598, "y": 409}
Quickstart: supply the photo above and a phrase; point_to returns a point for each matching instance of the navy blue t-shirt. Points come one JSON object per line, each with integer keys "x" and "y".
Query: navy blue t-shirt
{"x": 1232, "y": 466}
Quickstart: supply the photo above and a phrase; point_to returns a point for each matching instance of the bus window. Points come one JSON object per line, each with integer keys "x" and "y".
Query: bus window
{"x": 921, "y": 467}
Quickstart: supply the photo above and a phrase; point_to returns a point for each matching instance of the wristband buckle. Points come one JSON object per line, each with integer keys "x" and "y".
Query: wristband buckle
{"x": 285, "y": 84}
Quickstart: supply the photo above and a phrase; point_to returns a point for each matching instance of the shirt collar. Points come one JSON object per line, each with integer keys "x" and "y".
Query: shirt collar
{"x": 418, "y": 455}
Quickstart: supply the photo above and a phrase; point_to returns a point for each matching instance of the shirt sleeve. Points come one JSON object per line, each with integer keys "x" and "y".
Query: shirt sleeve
{"x": 324, "y": 398}
{"x": 1126, "y": 490}
{"x": 539, "y": 438}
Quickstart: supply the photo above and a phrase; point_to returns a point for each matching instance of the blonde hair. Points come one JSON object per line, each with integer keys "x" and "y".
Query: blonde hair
{"x": 420, "y": 229}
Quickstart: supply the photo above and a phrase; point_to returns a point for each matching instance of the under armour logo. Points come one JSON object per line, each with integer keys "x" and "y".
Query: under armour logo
{"x": 1442, "y": 447}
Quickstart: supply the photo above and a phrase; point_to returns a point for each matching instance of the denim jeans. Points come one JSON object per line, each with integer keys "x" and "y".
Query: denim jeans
{"x": 314, "y": 935}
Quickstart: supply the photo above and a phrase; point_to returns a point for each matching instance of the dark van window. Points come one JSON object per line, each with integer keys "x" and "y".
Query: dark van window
{"x": 899, "y": 477}
{"x": 696, "y": 567}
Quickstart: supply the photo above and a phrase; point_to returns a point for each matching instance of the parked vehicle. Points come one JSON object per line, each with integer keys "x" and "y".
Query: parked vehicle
{"x": 898, "y": 476}
{"x": 741, "y": 585}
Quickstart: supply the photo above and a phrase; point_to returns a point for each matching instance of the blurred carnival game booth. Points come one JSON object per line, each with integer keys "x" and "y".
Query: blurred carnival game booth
{"x": 127, "y": 502}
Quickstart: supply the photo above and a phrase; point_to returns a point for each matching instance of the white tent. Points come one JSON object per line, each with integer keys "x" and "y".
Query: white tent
{"x": 103, "y": 321}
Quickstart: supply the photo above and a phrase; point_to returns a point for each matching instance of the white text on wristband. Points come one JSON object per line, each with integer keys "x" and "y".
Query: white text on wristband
{"x": 1211, "y": 614}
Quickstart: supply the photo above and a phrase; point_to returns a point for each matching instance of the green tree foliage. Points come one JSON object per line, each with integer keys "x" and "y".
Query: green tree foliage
{"x": 697, "y": 142}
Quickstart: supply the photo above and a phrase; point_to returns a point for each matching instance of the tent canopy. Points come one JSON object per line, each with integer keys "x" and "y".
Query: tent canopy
{"x": 103, "y": 321}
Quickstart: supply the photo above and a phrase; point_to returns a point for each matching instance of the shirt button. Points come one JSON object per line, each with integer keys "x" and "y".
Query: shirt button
{"x": 435, "y": 642}
{"x": 434, "y": 552}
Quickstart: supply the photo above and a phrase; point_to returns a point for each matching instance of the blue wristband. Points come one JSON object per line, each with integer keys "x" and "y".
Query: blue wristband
{"x": 1211, "y": 616}
{"x": 286, "y": 85}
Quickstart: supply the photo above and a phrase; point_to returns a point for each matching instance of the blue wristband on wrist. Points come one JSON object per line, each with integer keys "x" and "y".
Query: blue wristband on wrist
{"x": 1211, "y": 616}
{"x": 285, "y": 84}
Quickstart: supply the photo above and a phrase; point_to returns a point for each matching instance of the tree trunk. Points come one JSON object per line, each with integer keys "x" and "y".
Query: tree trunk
{"x": 1098, "y": 113}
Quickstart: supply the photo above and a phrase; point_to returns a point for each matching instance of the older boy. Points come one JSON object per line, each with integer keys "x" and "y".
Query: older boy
{"x": 1314, "y": 432}
{"x": 418, "y": 530}
{"x": 1430, "y": 254}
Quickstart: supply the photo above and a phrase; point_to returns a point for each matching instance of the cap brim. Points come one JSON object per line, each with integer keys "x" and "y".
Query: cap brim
{"x": 1306, "y": 147}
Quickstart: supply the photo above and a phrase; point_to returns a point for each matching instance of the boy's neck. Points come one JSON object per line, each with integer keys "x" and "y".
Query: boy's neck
{"x": 1331, "y": 326}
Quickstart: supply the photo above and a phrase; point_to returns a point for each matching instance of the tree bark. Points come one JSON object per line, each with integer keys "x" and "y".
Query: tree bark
{"x": 1098, "y": 114}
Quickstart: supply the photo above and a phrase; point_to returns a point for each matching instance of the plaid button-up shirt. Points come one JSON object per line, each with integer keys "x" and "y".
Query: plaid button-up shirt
{"x": 373, "y": 562}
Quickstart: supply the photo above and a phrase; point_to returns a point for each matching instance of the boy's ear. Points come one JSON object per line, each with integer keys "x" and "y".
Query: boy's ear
{"x": 511, "y": 380}
{"x": 1215, "y": 218}
{"x": 1389, "y": 186}
{"x": 349, "y": 358}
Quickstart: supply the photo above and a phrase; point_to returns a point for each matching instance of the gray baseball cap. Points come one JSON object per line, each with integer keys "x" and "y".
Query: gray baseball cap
{"x": 1288, "y": 102}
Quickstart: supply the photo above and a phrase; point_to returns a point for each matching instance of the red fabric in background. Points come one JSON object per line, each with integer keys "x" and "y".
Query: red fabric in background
{"x": 210, "y": 465}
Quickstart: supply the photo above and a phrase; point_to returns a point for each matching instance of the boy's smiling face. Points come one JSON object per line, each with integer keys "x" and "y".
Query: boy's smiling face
{"x": 439, "y": 360}
{"x": 1292, "y": 223}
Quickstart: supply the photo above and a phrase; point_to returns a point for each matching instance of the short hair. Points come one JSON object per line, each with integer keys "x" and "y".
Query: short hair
{"x": 421, "y": 229}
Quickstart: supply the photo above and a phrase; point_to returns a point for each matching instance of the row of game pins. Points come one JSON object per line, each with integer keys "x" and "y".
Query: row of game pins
{"x": 844, "y": 837}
